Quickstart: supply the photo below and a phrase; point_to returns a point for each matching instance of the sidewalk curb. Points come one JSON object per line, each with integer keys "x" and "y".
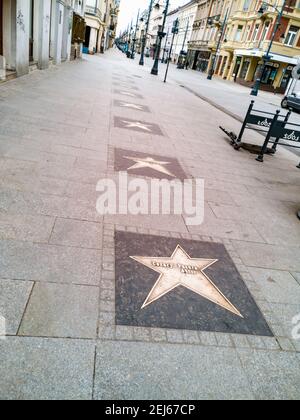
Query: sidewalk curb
{"x": 214, "y": 104}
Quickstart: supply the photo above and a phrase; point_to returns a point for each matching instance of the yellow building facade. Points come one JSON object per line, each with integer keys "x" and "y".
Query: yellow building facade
{"x": 243, "y": 31}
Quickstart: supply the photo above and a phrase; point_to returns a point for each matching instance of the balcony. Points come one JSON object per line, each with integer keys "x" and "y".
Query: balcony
{"x": 94, "y": 11}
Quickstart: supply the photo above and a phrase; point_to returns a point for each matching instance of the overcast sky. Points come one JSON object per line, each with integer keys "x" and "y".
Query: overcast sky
{"x": 129, "y": 9}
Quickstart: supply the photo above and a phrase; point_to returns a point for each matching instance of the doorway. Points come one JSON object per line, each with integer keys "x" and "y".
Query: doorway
{"x": 31, "y": 30}
{"x": 1, "y": 27}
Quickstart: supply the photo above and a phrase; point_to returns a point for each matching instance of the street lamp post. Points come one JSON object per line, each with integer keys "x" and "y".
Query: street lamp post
{"x": 165, "y": 48}
{"x": 129, "y": 41}
{"x": 144, "y": 41}
{"x": 180, "y": 64}
{"x": 267, "y": 56}
{"x": 160, "y": 36}
{"x": 214, "y": 62}
{"x": 134, "y": 39}
{"x": 175, "y": 31}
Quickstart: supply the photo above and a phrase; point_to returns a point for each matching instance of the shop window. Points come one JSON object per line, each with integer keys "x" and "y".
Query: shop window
{"x": 223, "y": 66}
{"x": 291, "y": 36}
{"x": 245, "y": 69}
{"x": 238, "y": 35}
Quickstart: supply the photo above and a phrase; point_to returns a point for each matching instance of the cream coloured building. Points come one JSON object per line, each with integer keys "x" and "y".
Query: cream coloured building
{"x": 247, "y": 36}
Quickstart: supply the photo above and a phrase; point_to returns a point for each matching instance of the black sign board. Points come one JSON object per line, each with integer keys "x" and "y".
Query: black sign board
{"x": 262, "y": 122}
{"x": 283, "y": 133}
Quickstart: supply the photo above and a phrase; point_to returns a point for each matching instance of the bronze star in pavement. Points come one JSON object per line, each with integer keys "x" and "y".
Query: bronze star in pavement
{"x": 133, "y": 106}
{"x": 182, "y": 270}
{"x": 151, "y": 163}
{"x": 127, "y": 93}
{"x": 137, "y": 125}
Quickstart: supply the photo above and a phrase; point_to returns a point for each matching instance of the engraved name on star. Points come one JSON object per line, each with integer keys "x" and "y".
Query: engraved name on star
{"x": 151, "y": 163}
{"x": 137, "y": 124}
{"x": 133, "y": 106}
{"x": 182, "y": 270}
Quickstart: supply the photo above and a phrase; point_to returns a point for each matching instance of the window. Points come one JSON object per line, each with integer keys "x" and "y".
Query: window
{"x": 238, "y": 35}
{"x": 291, "y": 36}
{"x": 247, "y": 5}
{"x": 247, "y": 32}
{"x": 255, "y": 32}
{"x": 265, "y": 31}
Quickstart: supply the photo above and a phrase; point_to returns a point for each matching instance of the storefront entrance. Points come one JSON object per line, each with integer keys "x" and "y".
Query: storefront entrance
{"x": 269, "y": 75}
{"x": 286, "y": 78}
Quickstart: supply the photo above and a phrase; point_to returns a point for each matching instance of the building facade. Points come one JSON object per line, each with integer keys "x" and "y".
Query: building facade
{"x": 101, "y": 22}
{"x": 186, "y": 15}
{"x": 246, "y": 28}
{"x": 34, "y": 33}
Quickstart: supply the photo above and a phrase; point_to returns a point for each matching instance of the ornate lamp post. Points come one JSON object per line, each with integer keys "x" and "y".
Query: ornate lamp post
{"x": 175, "y": 31}
{"x": 180, "y": 64}
{"x": 165, "y": 49}
{"x": 134, "y": 39}
{"x": 144, "y": 40}
{"x": 128, "y": 54}
{"x": 267, "y": 56}
{"x": 160, "y": 36}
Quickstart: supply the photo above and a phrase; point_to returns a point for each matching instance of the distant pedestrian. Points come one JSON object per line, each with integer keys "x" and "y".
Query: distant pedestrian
{"x": 187, "y": 65}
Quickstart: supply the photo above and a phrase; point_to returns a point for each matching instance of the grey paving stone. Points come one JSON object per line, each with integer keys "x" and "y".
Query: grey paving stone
{"x": 175, "y": 336}
{"x": 107, "y": 295}
{"x": 153, "y": 222}
{"x": 124, "y": 333}
{"x": 128, "y": 370}
{"x": 59, "y": 310}
{"x": 158, "y": 335}
{"x": 107, "y": 332}
{"x": 191, "y": 337}
{"x": 227, "y": 229}
{"x": 269, "y": 256}
{"x": 296, "y": 276}
{"x": 49, "y": 263}
{"x": 77, "y": 233}
{"x": 224, "y": 340}
{"x": 208, "y": 339}
{"x": 25, "y": 228}
{"x": 272, "y": 375}
{"x": 256, "y": 342}
{"x": 141, "y": 334}
{"x": 240, "y": 341}
{"x": 286, "y": 344}
{"x": 46, "y": 369}
{"x": 13, "y": 299}
{"x": 271, "y": 284}
{"x": 288, "y": 317}
{"x": 271, "y": 343}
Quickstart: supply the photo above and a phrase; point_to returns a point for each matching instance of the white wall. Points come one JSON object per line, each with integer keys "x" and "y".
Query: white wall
{"x": 22, "y": 37}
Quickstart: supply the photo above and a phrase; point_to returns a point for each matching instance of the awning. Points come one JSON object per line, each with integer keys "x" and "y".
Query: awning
{"x": 274, "y": 57}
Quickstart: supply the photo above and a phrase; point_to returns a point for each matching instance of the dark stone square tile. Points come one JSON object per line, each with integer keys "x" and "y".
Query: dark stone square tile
{"x": 182, "y": 284}
{"x": 136, "y": 125}
{"x": 131, "y": 106}
{"x": 148, "y": 165}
